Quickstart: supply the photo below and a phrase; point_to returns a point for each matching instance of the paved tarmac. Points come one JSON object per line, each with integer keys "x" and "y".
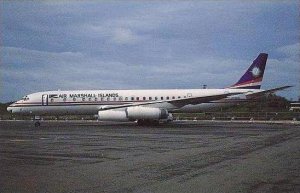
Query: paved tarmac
{"x": 83, "y": 157}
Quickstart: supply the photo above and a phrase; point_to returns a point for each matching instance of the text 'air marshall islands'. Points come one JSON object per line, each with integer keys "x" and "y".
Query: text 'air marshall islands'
{"x": 84, "y": 95}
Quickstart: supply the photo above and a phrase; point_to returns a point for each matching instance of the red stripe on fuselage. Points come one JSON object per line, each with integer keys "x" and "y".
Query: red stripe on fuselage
{"x": 74, "y": 103}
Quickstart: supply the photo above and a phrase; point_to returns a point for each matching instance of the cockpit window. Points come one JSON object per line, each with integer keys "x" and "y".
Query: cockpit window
{"x": 25, "y": 98}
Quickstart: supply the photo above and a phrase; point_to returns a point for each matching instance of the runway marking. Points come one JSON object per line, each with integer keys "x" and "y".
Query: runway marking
{"x": 24, "y": 140}
{"x": 19, "y": 140}
{"x": 44, "y": 138}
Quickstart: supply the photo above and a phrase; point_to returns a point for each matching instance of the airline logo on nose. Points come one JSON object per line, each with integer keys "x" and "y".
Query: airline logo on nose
{"x": 255, "y": 71}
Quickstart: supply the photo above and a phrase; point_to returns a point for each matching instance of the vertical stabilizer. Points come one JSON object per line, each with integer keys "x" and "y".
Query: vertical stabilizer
{"x": 254, "y": 75}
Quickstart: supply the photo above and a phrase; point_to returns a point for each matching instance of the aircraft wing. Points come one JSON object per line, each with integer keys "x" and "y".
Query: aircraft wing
{"x": 262, "y": 93}
{"x": 199, "y": 100}
{"x": 176, "y": 102}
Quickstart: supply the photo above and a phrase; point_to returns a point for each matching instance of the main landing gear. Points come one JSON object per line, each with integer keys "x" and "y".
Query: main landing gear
{"x": 142, "y": 122}
{"x": 37, "y": 124}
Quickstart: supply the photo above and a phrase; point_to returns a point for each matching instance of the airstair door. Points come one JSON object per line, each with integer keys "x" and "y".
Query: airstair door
{"x": 44, "y": 99}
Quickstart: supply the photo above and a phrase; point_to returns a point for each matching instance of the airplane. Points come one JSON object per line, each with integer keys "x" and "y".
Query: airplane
{"x": 144, "y": 106}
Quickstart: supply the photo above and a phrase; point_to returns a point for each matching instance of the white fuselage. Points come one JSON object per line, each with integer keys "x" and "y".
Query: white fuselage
{"x": 89, "y": 102}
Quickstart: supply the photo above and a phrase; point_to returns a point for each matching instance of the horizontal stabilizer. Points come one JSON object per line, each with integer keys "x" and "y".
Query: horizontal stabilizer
{"x": 264, "y": 92}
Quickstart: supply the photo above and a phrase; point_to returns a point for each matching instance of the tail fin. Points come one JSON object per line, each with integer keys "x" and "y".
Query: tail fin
{"x": 253, "y": 77}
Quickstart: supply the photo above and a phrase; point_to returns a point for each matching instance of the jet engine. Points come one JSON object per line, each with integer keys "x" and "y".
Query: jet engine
{"x": 133, "y": 113}
{"x": 147, "y": 113}
{"x": 111, "y": 115}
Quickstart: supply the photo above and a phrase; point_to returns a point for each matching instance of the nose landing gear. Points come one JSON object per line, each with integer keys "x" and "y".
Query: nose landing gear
{"x": 37, "y": 121}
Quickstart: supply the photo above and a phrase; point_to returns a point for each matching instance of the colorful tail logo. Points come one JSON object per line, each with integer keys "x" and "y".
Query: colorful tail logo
{"x": 253, "y": 77}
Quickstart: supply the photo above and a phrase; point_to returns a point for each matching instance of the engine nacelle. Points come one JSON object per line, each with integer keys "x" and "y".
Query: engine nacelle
{"x": 147, "y": 113}
{"x": 133, "y": 113}
{"x": 110, "y": 115}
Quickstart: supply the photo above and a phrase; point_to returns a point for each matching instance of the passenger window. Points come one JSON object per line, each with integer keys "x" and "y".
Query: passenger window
{"x": 83, "y": 99}
{"x": 144, "y": 98}
{"x": 168, "y": 98}
{"x": 96, "y": 99}
{"x": 120, "y": 98}
{"x": 150, "y": 98}
{"x": 90, "y": 99}
{"x": 64, "y": 99}
{"x": 126, "y": 98}
{"x": 74, "y": 99}
{"x": 179, "y": 97}
{"x": 156, "y": 98}
{"x": 162, "y": 98}
{"x": 173, "y": 97}
{"x": 115, "y": 98}
{"x": 137, "y": 98}
{"x": 132, "y": 98}
{"x": 184, "y": 96}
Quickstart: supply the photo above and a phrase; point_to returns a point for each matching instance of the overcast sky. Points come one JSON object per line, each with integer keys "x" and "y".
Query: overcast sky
{"x": 138, "y": 45}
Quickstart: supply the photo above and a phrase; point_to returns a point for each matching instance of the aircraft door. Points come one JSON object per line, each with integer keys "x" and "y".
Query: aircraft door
{"x": 44, "y": 99}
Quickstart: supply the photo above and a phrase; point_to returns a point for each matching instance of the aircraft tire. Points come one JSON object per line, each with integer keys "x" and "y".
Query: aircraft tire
{"x": 142, "y": 122}
{"x": 37, "y": 124}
